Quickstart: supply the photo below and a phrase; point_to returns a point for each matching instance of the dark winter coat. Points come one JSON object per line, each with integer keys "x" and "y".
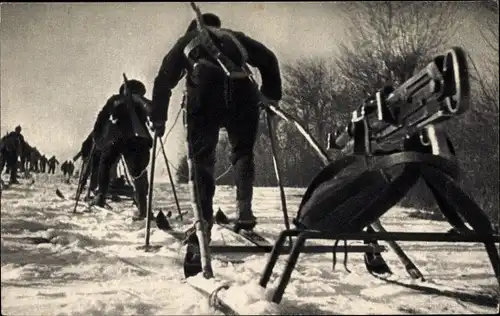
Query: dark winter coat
{"x": 13, "y": 143}
{"x": 175, "y": 64}
{"x": 114, "y": 123}
{"x": 53, "y": 161}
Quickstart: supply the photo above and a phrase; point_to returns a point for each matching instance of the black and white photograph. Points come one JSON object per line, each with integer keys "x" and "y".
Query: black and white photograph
{"x": 249, "y": 158}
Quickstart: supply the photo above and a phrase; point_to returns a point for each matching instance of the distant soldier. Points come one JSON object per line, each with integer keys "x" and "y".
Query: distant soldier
{"x": 34, "y": 159}
{"x": 67, "y": 169}
{"x": 53, "y": 162}
{"x": 25, "y": 157}
{"x": 43, "y": 164}
{"x": 64, "y": 168}
{"x": 11, "y": 146}
{"x": 71, "y": 168}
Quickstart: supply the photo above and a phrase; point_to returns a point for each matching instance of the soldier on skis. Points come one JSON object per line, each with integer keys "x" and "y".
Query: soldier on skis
{"x": 43, "y": 163}
{"x": 216, "y": 100}
{"x": 53, "y": 162}
{"x": 121, "y": 129}
{"x": 11, "y": 146}
{"x": 67, "y": 169}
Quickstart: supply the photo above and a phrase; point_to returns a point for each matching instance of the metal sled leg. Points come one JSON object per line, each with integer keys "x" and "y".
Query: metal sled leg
{"x": 450, "y": 198}
{"x": 458, "y": 202}
{"x": 308, "y": 234}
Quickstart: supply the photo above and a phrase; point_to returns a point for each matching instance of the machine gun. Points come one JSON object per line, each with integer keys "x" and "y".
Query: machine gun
{"x": 437, "y": 93}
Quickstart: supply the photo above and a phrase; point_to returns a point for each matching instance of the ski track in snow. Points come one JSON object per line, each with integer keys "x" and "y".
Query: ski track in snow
{"x": 92, "y": 267}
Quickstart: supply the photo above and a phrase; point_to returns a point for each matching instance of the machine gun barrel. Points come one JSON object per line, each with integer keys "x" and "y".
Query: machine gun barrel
{"x": 435, "y": 94}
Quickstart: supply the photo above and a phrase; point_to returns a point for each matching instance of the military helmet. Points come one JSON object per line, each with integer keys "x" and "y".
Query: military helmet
{"x": 210, "y": 19}
{"x": 135, "y": 86}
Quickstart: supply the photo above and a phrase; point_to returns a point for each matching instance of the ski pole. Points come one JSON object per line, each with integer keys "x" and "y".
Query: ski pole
{"x": 277, "y": 171}
{"x": 150, "y": 195}
{"x": 79, "y": 188}
{"x": 127, "y": 178}
{"x": 199, "y": 223}
{"x": 171, "y": 180}
{"x": 83, "y": 174}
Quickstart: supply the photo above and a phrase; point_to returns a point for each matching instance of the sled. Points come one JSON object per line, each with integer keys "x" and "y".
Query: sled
{"x": 427, "y": 153}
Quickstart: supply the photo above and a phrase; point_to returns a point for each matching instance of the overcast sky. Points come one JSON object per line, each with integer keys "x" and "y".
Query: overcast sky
{"x": 60, "y": 62}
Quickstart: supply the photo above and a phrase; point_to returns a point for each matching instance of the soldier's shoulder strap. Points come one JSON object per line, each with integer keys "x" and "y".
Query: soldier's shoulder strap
{"x": 219, "y": 33}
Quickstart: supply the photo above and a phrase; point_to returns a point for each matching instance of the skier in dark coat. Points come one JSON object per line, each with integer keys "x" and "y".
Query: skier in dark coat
{"x": 216, "y": 100}
{"x": 43, "y": 164}
{"x": 25, "y": 157}
{"x": 71, "y": 168}
{"x": 53, "y": 162}
{"x": 67, "y": 169}
{"x": 64, "y": 168}
{"x": 34, "y": 160}
{"x": 122, "y": 131}
{"x": 11, "y": 146}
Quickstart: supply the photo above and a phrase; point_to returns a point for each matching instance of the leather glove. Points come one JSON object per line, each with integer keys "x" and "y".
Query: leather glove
{"x": 159, "y": 128}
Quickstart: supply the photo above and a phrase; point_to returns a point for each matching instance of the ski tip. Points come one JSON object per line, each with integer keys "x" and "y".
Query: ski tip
{"x": 415, "y": 274}
{"x": 162, "y": 222}
{"x": 59, "y": 193}
{"x": 221, "y": 218}
{"x": 192, "y": 263}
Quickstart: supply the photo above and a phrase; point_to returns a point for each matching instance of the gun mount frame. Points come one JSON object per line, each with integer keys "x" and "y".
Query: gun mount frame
{"x": 410, "y": 114}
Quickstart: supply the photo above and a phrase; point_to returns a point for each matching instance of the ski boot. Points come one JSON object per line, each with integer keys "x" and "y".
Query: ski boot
{"x": 140, "y": 216}
{"x": 141, "y": 198}
{"x": 14, "y": 181}
{"x": 98, "y": 200}
{"x": 141, "y": 212}
{"x": 245, "y": 219}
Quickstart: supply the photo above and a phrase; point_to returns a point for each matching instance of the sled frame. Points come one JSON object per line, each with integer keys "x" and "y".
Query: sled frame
{"x": 304, "y": 235}
{"x": 438, "y": 166}
{"x": 284, "y": 250}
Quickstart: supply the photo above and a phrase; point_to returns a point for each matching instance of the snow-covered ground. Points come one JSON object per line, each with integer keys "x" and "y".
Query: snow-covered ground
{"x": 92, "y": 266}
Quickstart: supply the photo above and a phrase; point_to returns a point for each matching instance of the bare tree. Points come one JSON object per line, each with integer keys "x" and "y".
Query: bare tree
{"x": 314, "y": 94}
{"x": 390, "y": 40}
{"x": 488, "y": 78}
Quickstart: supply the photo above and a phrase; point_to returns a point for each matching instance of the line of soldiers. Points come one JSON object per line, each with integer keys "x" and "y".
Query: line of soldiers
{"x": 214, "y": 100}
{"x": 16, "y": 154}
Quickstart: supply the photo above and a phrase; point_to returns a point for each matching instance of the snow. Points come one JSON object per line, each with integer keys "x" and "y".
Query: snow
{"x": 92, "y": 266}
